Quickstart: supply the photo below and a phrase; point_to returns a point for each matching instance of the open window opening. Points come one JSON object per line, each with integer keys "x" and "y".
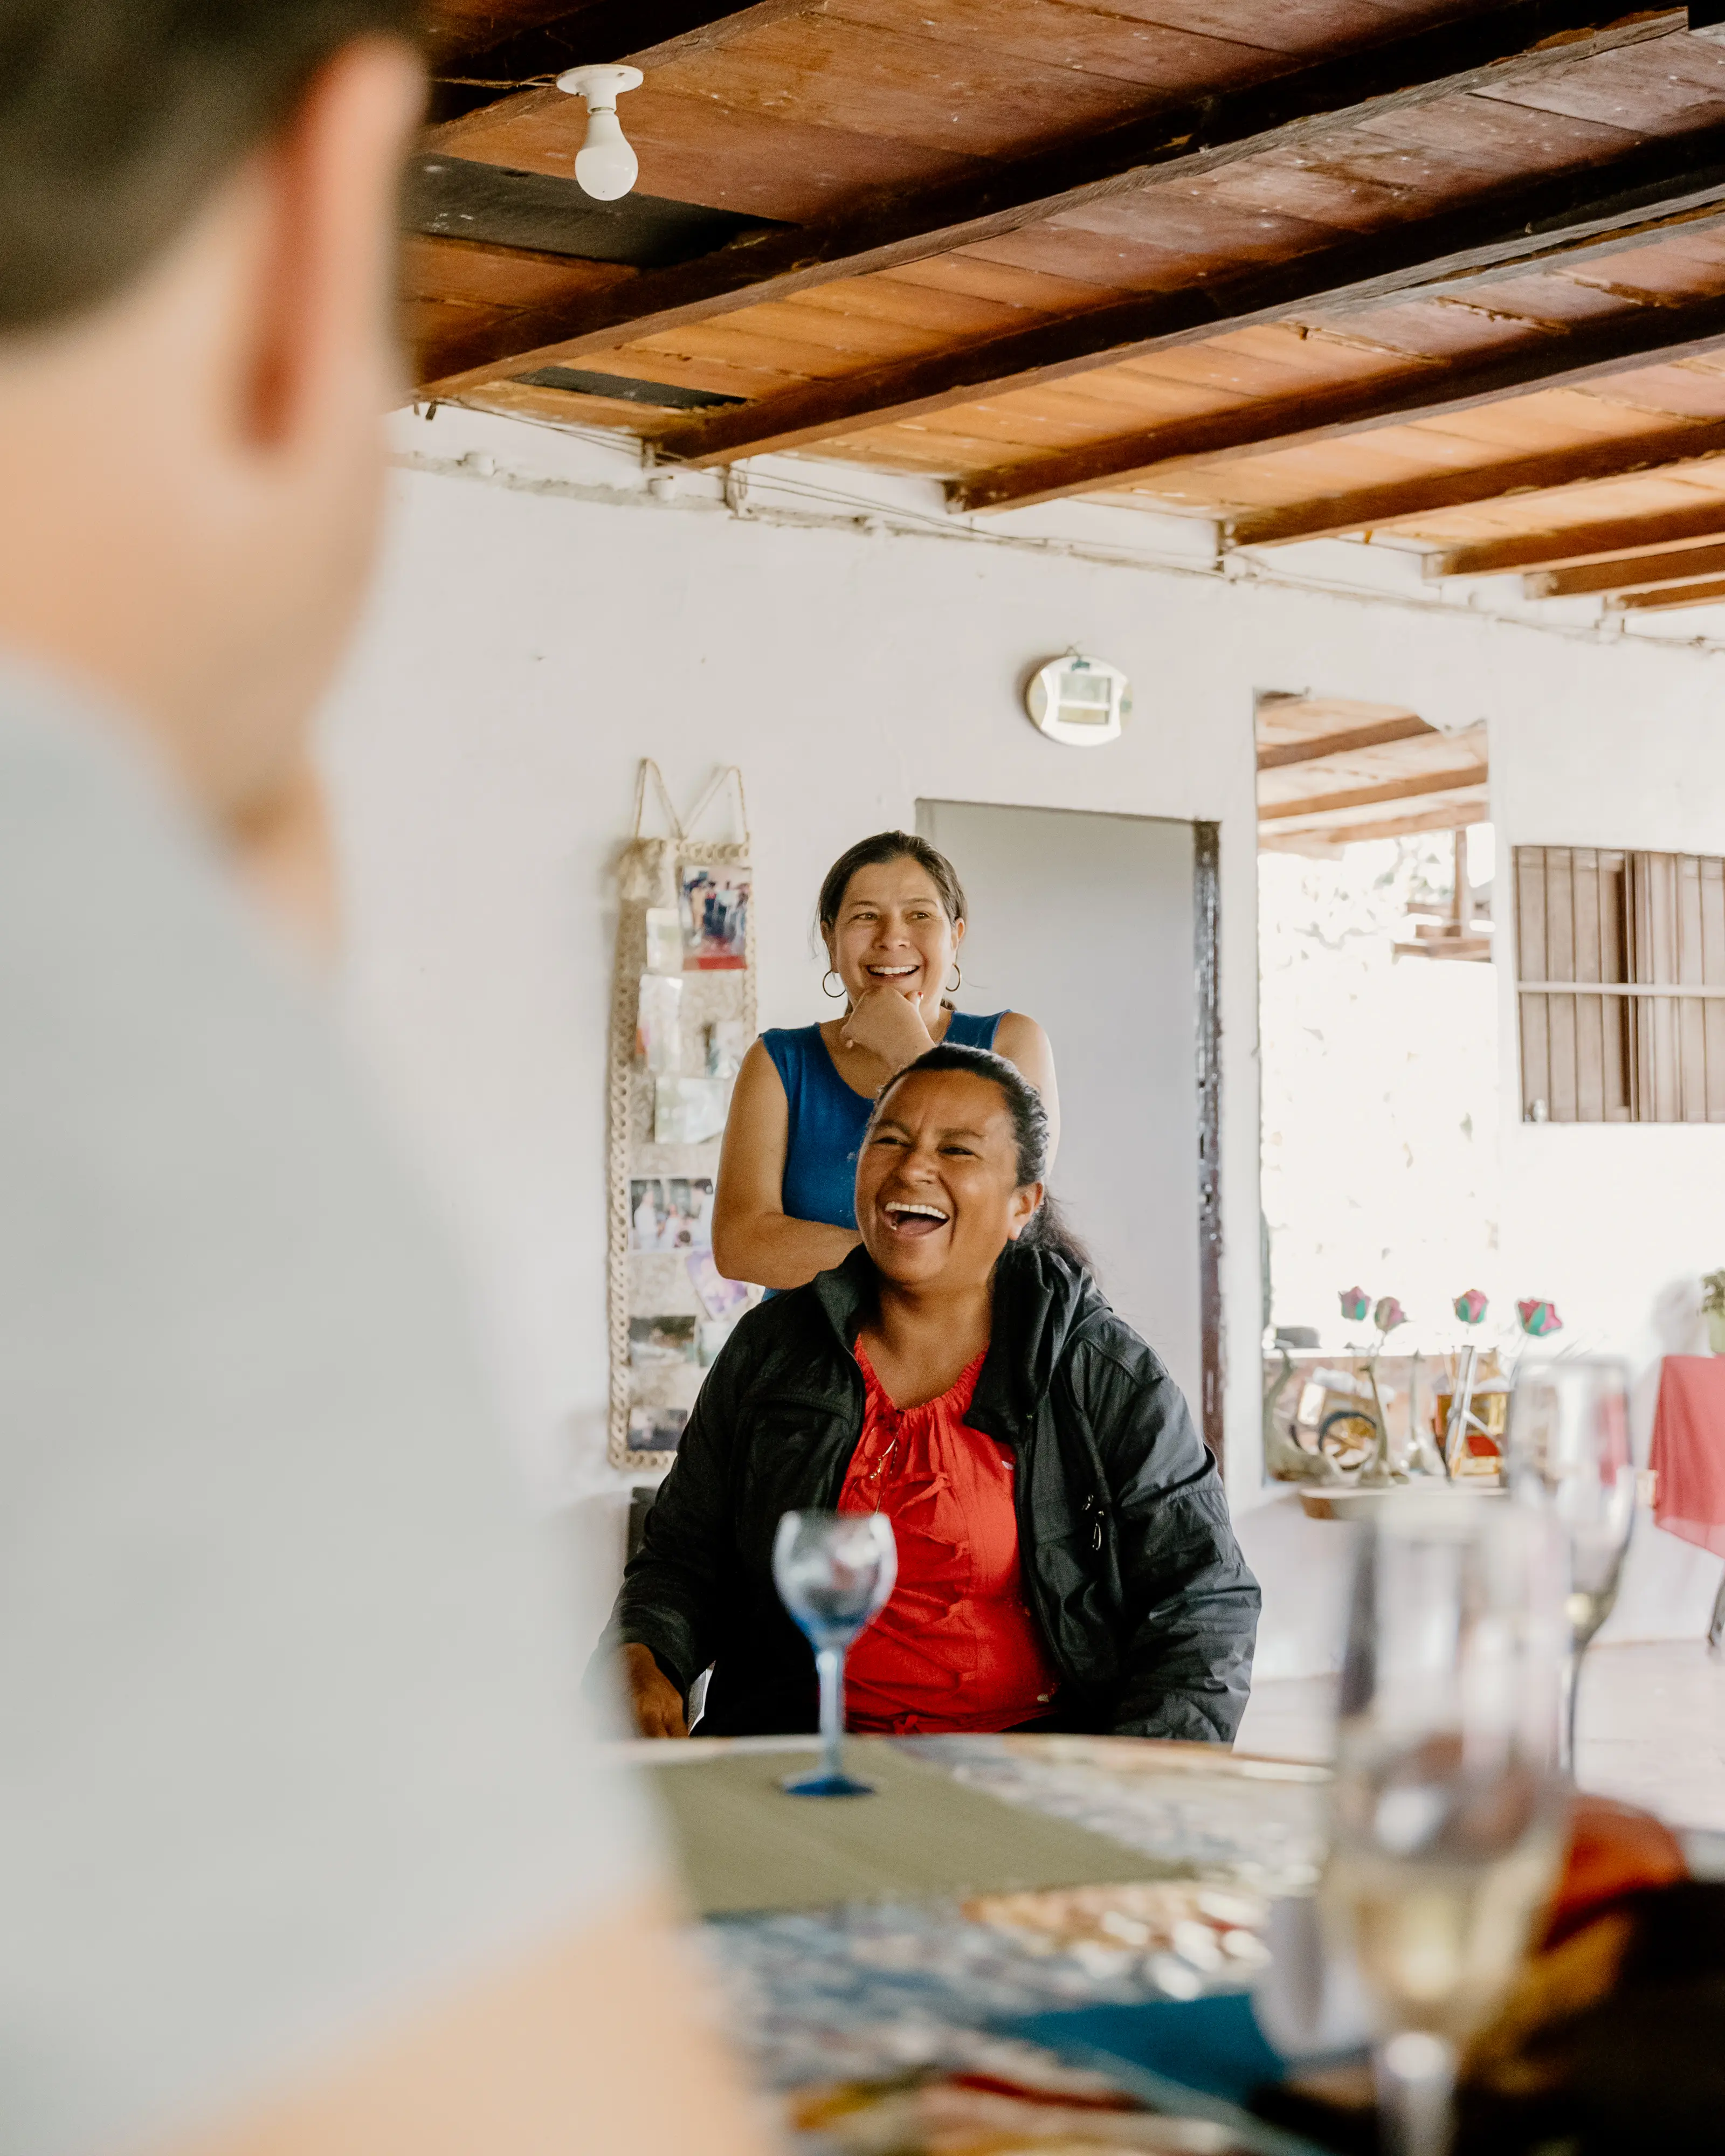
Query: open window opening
{"x": 1377, "y": 887}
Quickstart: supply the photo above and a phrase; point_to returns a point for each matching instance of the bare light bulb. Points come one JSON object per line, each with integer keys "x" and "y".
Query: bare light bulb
{"x": 605, "y": 165}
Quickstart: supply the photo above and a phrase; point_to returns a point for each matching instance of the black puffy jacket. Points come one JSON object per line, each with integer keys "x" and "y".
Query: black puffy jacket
{"x": 1129, "y": 1561}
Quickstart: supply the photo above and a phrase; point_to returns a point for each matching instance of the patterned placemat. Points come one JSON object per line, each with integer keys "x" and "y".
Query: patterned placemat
{"x": 744, "y": 1844}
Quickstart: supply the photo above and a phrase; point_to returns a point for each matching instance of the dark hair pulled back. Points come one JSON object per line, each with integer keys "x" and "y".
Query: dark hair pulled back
{"x": 875, "y": 854}
{"x": 1047, "y": 1229}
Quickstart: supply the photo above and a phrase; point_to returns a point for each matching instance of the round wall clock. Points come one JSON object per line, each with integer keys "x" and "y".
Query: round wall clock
{"x": 1080, "y": 702}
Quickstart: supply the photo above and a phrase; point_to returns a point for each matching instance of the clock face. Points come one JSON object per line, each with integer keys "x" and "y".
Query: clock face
{"x": 1079, "y": 702}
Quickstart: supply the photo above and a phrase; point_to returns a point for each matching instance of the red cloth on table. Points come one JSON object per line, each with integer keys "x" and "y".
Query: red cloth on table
{"x": 956, "y": 1647}
{"x": 1688, "y": 1456}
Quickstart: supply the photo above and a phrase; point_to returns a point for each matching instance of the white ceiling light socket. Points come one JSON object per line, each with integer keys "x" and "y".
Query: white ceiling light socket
{"x": 1079, "y": 702}
{"x": 605, "y": 166}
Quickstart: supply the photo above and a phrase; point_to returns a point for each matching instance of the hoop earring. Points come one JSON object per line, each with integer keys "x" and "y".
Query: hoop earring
{"x": 832, "y": 995}
{"x": 953, "y": 986}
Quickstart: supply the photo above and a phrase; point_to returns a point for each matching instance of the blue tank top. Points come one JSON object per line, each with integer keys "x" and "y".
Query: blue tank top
{"x": 828, "y": 1117}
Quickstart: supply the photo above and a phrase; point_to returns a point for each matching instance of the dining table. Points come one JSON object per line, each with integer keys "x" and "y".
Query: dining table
{"x": 1015, "y": 1941}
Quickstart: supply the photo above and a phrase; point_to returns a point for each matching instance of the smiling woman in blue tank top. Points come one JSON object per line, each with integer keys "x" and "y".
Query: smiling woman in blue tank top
{"x": 891, "y": 915}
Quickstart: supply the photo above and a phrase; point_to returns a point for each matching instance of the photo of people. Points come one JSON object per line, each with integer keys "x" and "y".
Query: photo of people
{"x": 716, "y": 912}
{"x": 655, "y": 1343}
{"x": 670, "y": 1213}
{"x": 655, "y": 1430}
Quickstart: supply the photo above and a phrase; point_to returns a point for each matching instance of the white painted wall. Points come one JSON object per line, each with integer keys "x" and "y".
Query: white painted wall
{"x": 543, "y": 621}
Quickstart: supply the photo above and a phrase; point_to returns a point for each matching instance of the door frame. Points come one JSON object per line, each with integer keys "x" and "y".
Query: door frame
{"x": 1207, "y": 970}
{"x": 1207, "y": 964}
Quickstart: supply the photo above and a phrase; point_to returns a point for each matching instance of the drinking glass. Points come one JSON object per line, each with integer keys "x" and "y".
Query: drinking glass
{"x": 834, "y": 1572}
{"x": 1449, "y": 1802}
{"x": 1569, "y": 1456}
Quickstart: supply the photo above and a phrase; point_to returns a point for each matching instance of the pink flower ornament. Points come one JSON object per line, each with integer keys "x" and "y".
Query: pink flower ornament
{"x": 1389, "y": 1314}
{"x": 1539, "y": 1318}
{"x": 1471, "y": 1308}
{"x": 1355, "y": 1303}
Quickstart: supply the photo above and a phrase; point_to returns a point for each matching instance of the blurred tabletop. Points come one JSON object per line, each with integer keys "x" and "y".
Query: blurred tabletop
{"x": 936, "y": 1966}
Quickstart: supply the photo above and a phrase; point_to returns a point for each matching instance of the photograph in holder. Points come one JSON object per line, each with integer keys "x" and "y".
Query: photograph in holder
{"x": 715, "y": 913}
{"x": 719, "y": 1297}
{"x": 657, "y": 1343}
{"x": 711, "y": 1336}
{"x": 727, "y": 1040}
{"x": 659, "y": 1022}
{"x": 670, "y": 1213}
{"x": 690, "y": 1110}
{"x": 665, "y": 940}
{"x": 655, "y": 1430}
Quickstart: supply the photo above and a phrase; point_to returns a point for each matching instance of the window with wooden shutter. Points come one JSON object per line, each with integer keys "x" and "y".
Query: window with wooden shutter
{"x": 1620, "y": 974}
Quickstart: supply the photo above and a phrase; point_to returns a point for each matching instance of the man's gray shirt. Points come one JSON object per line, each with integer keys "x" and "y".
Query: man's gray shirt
{"x": 289, "y": 1736}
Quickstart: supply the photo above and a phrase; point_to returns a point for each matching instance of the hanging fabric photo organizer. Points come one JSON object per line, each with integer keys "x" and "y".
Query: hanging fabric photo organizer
{"x": 682, "y": 1018}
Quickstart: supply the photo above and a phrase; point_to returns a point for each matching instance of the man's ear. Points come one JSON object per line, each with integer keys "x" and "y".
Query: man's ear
{"x": 325, "y": 291}
{"x": 1026, "y": 1201}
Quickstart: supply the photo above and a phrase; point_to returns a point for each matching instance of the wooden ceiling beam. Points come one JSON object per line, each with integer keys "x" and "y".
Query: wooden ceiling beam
{"x": 1486, "y": 49}
{"x": 1279, "y": 754}
{"x": 1642, "y": 572}
{"x": 1376, "y": 507}
{"x": 1424, "y": 390}
{"x": 1366, "y": 797}
{"x": 1612, "y": 538}
{"x": 1680, "y": 181}
{"x": 1683, "y": 595}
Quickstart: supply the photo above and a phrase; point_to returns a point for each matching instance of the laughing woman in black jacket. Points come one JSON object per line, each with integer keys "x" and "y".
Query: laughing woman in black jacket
{"x": 1065, "y": 1559}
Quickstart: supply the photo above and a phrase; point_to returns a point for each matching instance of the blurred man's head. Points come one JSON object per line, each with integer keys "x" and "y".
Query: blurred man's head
{"x": 197, "y": 207}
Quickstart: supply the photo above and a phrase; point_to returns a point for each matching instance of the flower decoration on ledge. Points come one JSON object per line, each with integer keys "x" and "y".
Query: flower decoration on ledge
{"x": 1539, "y": 1318}
{"x": 1388, "y": 1314}
{"x": 1471, "y": 1307}
{"x": 1355, "y": 1303}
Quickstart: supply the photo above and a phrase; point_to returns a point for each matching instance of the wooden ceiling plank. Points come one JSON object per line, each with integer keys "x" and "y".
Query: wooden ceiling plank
{"x": 1373, "y": 508}
{"x": 1472, "y": 808}
{"x": 653, "y": 32}
{"x": 694, "y": 149}
{"x": 1365, "y": 796}
{"x": 466, "y": 269}
{"x": 1590, "y": 354}
{"x": 1564, "y": 549}
{"x": 1275, "y": 756}
{"x": 1685, "y": 595}
{"x": 1436, "y": 61}
{"x": 1094, "y": 41}
{"x": 1642, "y": 572}
{"x": 1401, "y": 259}
{"x": 971, "y": 273}
{"x": 880, "y": 83}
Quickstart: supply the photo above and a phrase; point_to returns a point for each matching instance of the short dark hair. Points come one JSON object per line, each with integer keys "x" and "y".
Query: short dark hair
{"x": 875, "y": 854}
{"x": 1031, "y": 1134}
{"x": 118, "y": 117}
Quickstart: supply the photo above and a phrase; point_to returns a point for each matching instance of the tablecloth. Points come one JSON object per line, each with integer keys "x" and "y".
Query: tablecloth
{"x": 1688, "y": 1456}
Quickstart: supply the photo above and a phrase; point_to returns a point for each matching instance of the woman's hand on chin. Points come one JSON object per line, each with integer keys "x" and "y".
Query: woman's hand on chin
{"x": 653, "y": 1700}
{"x": 887, "y": 1025}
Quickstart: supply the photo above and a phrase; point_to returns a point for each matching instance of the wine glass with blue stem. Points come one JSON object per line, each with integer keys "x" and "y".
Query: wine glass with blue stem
{"x": 834, "y": 1572}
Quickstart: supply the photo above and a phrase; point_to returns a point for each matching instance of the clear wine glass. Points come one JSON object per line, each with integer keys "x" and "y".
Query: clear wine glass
{"x": 1569, "y": 1456}
{"x": 1449, "y": 1802}
{"x": 835, "y": 1571}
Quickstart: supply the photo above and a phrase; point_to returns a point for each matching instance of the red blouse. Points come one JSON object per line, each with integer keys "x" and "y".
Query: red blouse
{"x": 956, "y": 1647}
